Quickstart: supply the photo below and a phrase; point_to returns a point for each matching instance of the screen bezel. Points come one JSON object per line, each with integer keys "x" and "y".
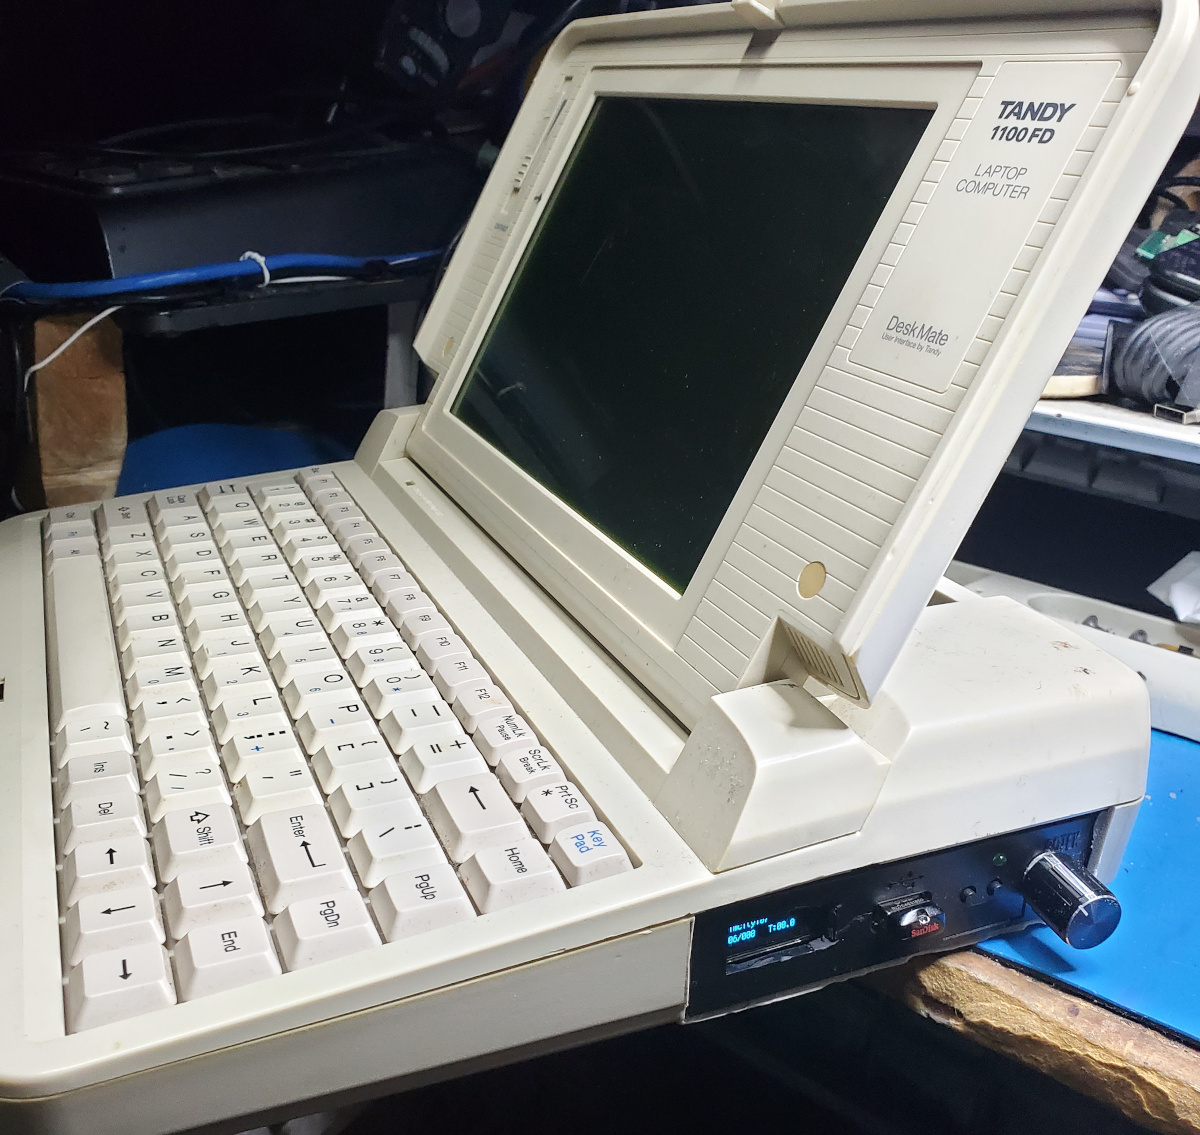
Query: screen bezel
{"x": 631, "y": 610}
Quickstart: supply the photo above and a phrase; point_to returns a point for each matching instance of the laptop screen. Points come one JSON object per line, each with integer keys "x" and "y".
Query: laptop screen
{"x": 676, "y": 282}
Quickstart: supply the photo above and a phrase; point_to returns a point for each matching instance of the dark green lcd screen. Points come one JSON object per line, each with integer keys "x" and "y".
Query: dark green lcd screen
{"x": 677, "y": 280}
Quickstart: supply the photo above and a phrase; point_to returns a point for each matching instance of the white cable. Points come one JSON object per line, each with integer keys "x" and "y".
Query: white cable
{"x": 261, "y": 261}
{"x": 311, "y": 279}
{"x": 69, "y": 340}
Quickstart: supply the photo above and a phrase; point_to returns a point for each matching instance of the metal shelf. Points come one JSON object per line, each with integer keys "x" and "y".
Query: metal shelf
{"x": 1104, "y": 424}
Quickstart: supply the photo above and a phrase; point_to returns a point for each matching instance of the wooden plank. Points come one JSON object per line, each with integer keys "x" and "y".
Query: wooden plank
{"x": 1153, "y": 1080}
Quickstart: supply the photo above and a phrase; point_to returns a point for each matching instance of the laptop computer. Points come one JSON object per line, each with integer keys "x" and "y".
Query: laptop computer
{"x": 617, "y": 684}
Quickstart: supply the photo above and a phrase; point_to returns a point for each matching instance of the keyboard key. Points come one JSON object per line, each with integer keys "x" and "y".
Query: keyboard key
{"x": 416, "y": 901}
{"x": 293, "y": 660}
{"x": 523, "y": 771}
{"x": 331, "y": 585}
{"x": 457, "y": 674}
{"x": 497, "y": 877}
{"x": 218, "y": 646}
{"x": 331, "y": 725}
{"x": 192, "y": 574}
{"x": 434, "y": 648}
{"x": 205, "y": 839}
{"x": 238, "y": 713}
{"x": 201, "y": 898}
{"x": 396, "y": 838}
{"x": 472, "y": 813}
{"x": 414, "y": 624}
{"x": 185, "y": 783}
{"x": 501, "y": 734}
{"x": 552, "y": 808}
{"x": 144, "y": 621}
{"x": 274, "y": 786}
{"x": 279, "y": 601}
{"x": 95, "y": 776}
{"x": 587, "y": 852}
{"x": 352, "y": 635}
{"x": 392, "y": 692}
{"x": 93, "y": 739}
{"x": 320, "y": 929}
{"x": 111, "y": 921}
{"x": 167, "y": 705}
{"x": 309, "y": 565}
{"x": 296, "y": 855}
{"x": 224, "y": 955}
{"x": 290, "y": 630}
{"x": 411, "y": 602}
{"x": 239, "y": 674}
{"x": 370, "y": 662}
{"x": 428, "y": 762}
{"x": 147, "y": 677}
{"x": 215, "y": 620}
{"x": 358, "y": 798}
{"x": 170, "y": 738}
{"x": 82, "y": 665}
{"x": 308, "y": 691}
{"x": 359, "y": 547}
{"x": 245, "y": 752}
{"x": 421, "y": 721}
{"x": 474, "y": 705}
{"x": 99, "y": 818}
{"x": 346, "y": 608}
{"x": 105, "y": 866}
{"x": 117, "y": 984}
{"x": 333, "y": 764}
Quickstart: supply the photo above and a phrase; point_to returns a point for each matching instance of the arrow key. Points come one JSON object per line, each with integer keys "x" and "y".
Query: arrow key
{"x": 470, "y": 813}
{"x": 202, "y": 898}
{"x": 111, "y": 986}
{"x": 114, "y": 920}
{"x": 98, "y": 868}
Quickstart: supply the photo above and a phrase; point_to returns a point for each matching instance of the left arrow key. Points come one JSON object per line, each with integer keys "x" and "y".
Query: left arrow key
{"x": 111, "y": 920}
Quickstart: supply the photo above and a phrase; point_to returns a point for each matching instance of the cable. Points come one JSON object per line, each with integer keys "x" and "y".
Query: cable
{"x": 1160, "y": 360}
{"x": 263, "y": 267}
{"x": 29, "y": 371}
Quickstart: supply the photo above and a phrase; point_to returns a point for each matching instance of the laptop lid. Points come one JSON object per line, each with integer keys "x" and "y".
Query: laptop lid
{"x": 757, "y": 300}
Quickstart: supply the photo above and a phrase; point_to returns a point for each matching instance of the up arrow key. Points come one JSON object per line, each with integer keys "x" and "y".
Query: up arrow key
{"x": 470, "y": 813}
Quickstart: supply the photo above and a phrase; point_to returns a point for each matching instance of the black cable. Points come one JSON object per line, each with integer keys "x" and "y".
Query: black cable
{"x": 1159, "y": 361}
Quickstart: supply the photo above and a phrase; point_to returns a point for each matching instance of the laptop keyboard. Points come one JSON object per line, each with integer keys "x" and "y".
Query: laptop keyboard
{"x": 271, "y": 749}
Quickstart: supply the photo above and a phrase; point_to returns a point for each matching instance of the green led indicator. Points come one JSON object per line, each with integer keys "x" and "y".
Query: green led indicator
{"x": 999, "y": 859}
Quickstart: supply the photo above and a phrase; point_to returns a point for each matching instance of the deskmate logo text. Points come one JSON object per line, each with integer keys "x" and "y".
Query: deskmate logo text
{"x": 911, "y": 333}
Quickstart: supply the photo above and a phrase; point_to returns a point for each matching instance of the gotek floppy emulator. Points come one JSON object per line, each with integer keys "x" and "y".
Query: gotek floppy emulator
{"x": 618, "y": 683}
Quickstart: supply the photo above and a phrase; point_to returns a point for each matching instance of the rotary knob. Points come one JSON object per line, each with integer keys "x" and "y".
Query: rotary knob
{"x": 1079, "y": 908}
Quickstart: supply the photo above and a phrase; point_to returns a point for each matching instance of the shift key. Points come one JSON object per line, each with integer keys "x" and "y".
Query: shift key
{"x": 297, "y": 856}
